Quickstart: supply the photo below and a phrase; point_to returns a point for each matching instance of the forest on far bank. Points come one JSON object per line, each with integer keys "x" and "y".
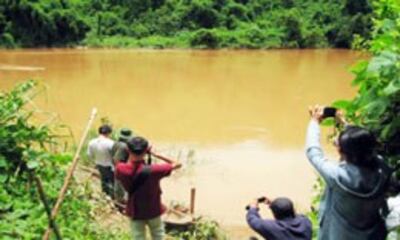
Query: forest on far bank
{"x": 249, "y": 24}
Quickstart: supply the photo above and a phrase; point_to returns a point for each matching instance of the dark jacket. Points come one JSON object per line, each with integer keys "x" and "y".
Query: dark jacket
{"x": 297, "y": 228}
{"x": 120, "y": 152}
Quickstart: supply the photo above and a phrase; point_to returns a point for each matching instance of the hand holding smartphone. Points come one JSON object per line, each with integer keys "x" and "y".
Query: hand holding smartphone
{"x": 329, "y": 112}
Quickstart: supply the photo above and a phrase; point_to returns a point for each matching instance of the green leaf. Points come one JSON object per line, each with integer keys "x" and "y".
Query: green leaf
{"x": 376, "y": 108}
{"x": 328, "y": 122}
{"x": 33, "y": 164}
{"x": 384, "y": 60}
{"x": 342, "y": 104}
{"x": 391, "y": 89}
{"x": 3, "y": 178}
{"x": 3, "y": 162}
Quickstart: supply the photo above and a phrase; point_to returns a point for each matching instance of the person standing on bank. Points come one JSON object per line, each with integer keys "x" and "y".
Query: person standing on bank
{"x": 99, "y": 150}
{"x": 120, "y": 153}
{"x": 142, "y": 182}
{"x": 286, "y": 225}
{"x": 350, "y": 208}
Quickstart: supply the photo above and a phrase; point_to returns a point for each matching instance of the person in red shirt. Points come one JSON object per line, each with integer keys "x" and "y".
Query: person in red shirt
{"x": 142, "y": 182}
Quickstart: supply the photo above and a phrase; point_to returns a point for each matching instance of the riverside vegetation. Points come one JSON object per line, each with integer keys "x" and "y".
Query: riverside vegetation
{"x": 30, "y": 145}
{"x": 185, "y": 23}
{"x": 377, "y": 103}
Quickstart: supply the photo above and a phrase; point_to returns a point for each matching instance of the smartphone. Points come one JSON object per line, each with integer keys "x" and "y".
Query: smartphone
{"x": 329, "y": 112}
{"x": 261, "y": 199}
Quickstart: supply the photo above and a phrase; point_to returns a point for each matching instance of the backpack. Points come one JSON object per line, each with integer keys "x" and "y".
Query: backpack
{"x": 140, "y": 179}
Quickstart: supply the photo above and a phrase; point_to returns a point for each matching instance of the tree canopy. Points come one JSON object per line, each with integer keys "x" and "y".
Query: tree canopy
{"x": 184, "y": 23}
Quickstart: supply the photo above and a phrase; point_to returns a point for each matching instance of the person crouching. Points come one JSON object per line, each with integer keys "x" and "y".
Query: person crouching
{"x": 142, "y": 182}
{"x": 286, "y": 225}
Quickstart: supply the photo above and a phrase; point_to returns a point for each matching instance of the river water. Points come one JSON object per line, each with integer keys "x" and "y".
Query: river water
{"x": 237, "y": 118}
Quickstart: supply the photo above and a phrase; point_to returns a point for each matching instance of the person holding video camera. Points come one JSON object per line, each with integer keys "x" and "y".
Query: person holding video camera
{"x": 354, "y": 195}
{"x": 286, "y": 225}
{"x": 142, "y": 182}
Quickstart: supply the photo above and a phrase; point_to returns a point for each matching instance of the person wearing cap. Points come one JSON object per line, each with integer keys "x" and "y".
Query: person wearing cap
{"x": 120, "y": 153}
{"x": 120, "y": 149}
{"x": 286, "y": 225}
{"x": 99, "y": 150}
{"x": 142, "y": 182}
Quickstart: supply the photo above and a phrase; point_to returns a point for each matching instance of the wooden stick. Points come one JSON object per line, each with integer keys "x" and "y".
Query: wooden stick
{"x": 92, "y": 171}
{"x": 46, "y": 204}
{"x": 192, "y": 200}
{"x": 181, "y": 214}
{"x": 70, "y": 173}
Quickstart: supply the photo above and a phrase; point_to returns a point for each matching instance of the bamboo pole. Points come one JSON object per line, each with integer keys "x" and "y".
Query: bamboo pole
{"x": 70, "y": 173}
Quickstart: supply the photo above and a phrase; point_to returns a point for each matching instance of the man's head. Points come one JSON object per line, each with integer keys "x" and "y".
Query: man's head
{"x": 105, "y": 130}
{"x": 138, "y": 148}
{"x": 282, "y": 208}
{"x": 124, "y": 135}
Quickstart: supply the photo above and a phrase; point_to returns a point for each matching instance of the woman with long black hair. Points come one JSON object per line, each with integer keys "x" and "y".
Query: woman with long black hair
{"x": 353, "y": 199}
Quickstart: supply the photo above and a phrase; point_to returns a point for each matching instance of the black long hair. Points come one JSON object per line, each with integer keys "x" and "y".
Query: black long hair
{"x": 358, "y": 146}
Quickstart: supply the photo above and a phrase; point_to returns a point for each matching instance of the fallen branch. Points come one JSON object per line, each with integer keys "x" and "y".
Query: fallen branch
{"x": 46, "y": 204}
{"x": 90, "y": 170}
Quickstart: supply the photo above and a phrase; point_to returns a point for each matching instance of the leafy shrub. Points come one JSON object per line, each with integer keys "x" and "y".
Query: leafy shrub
{"x": 377, "y": 104}
{"x": 204, "y": 39}
{"x": 293, "y": 29}
{"x": 7, "y": 40}
{"x": 201, "y": 15}
{"x": 33, "y": 148}
{"x": 111, "y": 24}
{"x": 203, "y": 229}
{"x": 236, "y": 10}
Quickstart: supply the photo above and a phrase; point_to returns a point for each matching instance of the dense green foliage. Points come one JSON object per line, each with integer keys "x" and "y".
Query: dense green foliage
{"x": 202, "y": 230}
{"x": 184, "y": 23}
{"x": 377, "y": 104}
{"x": 27, "y": 147}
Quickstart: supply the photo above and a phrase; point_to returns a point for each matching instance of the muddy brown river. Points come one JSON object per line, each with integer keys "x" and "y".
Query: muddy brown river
{"x": 236, "y": 118}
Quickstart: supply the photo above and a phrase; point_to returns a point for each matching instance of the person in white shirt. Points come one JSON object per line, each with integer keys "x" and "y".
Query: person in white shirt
{"x": 100, "y": 150}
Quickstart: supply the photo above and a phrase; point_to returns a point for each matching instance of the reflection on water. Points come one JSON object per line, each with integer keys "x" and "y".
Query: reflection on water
{"x": 243, "y": 112}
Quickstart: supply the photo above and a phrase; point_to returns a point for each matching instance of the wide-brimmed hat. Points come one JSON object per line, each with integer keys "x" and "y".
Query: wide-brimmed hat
{"x": 125, "y": 134}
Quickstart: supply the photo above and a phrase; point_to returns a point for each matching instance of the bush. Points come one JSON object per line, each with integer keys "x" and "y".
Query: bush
{"x": 7, "y": 40}
{"x": 204, "y": 38}
{"x": 237, "y": 11}
{"x": 377, "y": 104}
{"x": 201, "y": 15}
{"x": 292, "y": 24}
{"x": 110, "y": 24}
{"x": 24, "y": 152}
